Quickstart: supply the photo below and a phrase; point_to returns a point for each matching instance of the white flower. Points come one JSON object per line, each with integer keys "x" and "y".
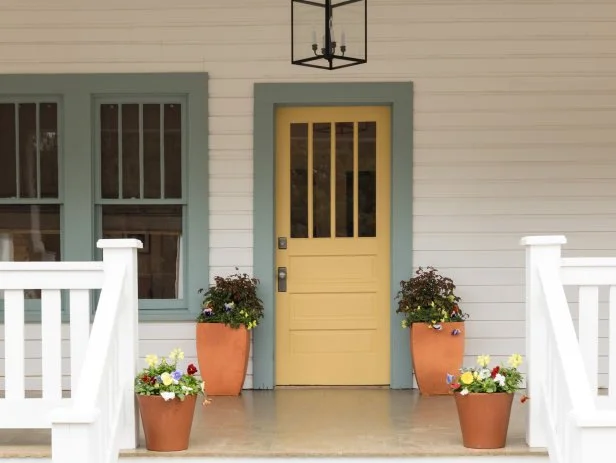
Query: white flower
{"x": 168, "y": 395}
{"x": 500, "y": 379}
{"x": 484, "y": 373}
{"x": 464, "y": 391}
{"x": 186, "y": 388}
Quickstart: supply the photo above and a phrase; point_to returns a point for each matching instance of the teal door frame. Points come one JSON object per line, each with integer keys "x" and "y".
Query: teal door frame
{"x": 267, "y": 97}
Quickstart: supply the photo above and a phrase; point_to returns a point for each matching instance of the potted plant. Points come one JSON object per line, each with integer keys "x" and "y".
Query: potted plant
{"x": 436, "y": 323}
{"x": 483, "y": 398}
{"x": 167, "y": 397}
{"x": 230, "y": 310}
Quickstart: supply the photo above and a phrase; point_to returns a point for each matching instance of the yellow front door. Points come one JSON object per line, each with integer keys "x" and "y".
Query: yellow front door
{"x": 333, "y": 245}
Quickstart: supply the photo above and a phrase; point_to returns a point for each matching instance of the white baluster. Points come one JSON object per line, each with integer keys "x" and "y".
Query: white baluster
{"x": 589, "y": 332}
{"x": 79, "y": 331}
{"x": 612, "y": 348}
{"x": 14, "y": 334}
{"x": 51, "y": 332}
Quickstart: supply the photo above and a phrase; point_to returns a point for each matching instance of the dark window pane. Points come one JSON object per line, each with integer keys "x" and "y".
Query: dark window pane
{"x": 344, "y": 179}
{"x": 8, "y": 161}
{"x": 29, "y": 233}
{"x": 161, "y": 260}
{"x": 299, "y": 180}
{"x": 131, "y": 171}
{"x": 367, "y": 179}
{"x": 110, "y": 188}
{"x": 27, "y": 150}
{"x": 48, "y": 138}
{"x": 151, "y": 151}
{"x": 173, "y": 151}
{"x": 321, "y": 181}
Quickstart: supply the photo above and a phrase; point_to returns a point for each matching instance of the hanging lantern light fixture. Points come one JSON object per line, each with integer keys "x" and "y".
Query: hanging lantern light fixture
{"x": 329, "y": 34}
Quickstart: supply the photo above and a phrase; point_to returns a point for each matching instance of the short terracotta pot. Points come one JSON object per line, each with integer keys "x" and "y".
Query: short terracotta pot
{"x": 484, "y": 419}
{"x": 166, "y": 424}
{"x": 222, "y": 353}
{"x": 436, "y": 353}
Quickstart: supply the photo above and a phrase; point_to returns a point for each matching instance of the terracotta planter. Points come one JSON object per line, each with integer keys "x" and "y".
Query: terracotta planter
{"x": 166, "y": 424}
{"x": 222, "y": 353}
{"x": 436, "y": 353}
{"x": 484, "y": 419}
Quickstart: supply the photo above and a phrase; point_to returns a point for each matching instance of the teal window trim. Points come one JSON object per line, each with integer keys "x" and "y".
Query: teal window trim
{"x": 268, "y": 96}
{"x": 78, "y": 93}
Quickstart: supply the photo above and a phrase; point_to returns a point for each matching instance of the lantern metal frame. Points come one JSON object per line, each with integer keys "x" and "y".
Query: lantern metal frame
{"x": 330, "y": 50}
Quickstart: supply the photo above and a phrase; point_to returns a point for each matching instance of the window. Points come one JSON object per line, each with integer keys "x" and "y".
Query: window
{"x": 30, "y": 200}
{"x": 86, "y": 156}
{"x": 141, "y": 193}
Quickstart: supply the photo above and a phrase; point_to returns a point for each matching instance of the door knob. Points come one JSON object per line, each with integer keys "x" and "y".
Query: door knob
{"x": 282, "y": 279}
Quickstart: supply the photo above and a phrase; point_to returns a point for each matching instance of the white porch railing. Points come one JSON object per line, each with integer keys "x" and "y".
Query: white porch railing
{"x": 99, "y": 418}
{"x": 566, "y": 414}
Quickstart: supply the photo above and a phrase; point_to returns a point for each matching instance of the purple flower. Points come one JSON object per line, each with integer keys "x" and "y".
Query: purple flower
{"x": 455, "y": 332}
{"x": 437, "y": 327}
{"x": 207, "y": 311}
{"x": 177, "y": 374}
{"x": 449, "y": 378}
{"x": 229, "y": 306}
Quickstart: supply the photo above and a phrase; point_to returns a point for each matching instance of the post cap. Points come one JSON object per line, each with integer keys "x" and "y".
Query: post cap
{"x": 549, "y": 240}
{"x": 121, "y": 243}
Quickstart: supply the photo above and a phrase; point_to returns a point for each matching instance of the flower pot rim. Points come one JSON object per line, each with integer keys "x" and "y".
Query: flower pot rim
{"x": 219, "y": 323}
{"x": 483, "y": 393}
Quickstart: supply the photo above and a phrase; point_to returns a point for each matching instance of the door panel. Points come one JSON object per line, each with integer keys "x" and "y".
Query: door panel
{"x": 333, "y": 207}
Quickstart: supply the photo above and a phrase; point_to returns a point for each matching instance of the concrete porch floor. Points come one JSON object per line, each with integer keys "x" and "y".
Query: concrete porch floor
{"x": 314, "y": 422}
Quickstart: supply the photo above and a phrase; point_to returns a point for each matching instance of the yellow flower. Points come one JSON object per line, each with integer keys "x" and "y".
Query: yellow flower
{"x": 515, "y": 360}
{"x": 166, "y": 379}
{"x": 176, "y": 354}
{"x": 466, "y": 378}
{"x": 475, "y": 375}
{"x": 483, "y": 360}
{"x": 151, "y": 359}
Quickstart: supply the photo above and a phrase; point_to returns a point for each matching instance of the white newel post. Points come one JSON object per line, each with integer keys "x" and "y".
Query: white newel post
{"x": 124, "y": 252}
{"x": 544, "y": 250}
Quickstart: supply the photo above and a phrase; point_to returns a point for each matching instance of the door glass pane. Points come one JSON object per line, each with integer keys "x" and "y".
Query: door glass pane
{"x": 48, "y": 138}
{"x": 109, "y": 139}
{"x": 29, "y": 233}
{"x": 8, "y": 145}
{"x": 173, "y": 151}
{"x": 151, "y": 151}
{"x": 161, "y": 261}
{"x": 27, "y": 150}
{"x": 321, "y": 181}
{"x": 367, "y": 179}
{"x": 299, "y": 180}
{"x": 131, "y": 171}
{"x": 344, "y": 179}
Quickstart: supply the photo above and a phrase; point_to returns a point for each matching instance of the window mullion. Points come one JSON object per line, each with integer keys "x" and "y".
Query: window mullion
{"x": 141, "y": 161}
{"x": 120, "y": 192}
{"x": 38, "y": 149}
{"x": 17, "y": 169}
{"x": 162, "y": 150}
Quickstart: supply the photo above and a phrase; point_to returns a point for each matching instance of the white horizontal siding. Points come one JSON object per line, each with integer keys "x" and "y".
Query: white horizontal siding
{"x": 515, "y": 108}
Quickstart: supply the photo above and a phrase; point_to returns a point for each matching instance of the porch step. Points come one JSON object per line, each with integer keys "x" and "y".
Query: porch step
{"x": 528, "y": 458}
{"x": 351, "y": 425}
